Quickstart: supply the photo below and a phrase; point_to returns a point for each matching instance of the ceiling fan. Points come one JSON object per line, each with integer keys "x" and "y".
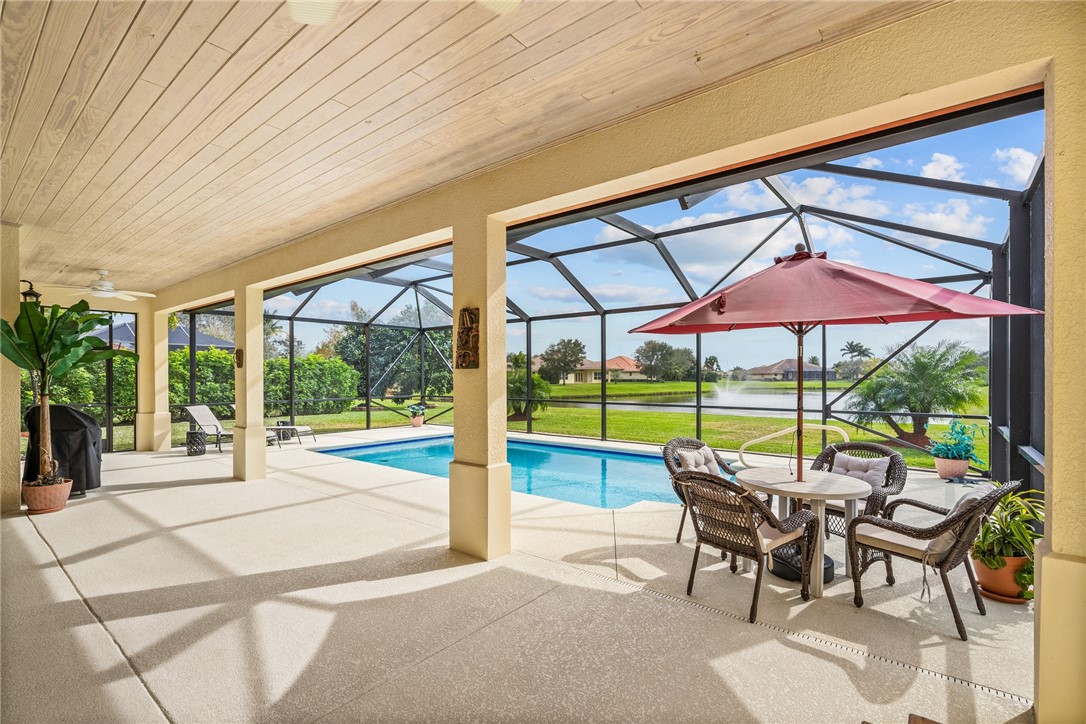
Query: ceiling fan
{"x": 102, "y": 287}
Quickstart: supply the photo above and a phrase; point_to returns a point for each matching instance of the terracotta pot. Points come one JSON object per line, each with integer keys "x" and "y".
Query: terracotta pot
{"x": 46, "y": 498}
{"x": 999, "y": 584}
{"x": 948, "y": 469}
{"x": 417, "y": 421}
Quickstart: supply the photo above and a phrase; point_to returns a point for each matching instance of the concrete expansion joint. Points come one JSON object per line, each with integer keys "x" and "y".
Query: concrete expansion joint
{"x": 798, "y": 636}
{"x": 101, "y": 622}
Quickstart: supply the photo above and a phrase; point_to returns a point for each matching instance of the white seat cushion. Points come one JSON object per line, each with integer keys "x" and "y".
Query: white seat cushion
{"x": 943, "y": 543}
{"x": 773, "y": 538}
{"x": 702, "y": 460}
{"x": 839, "y": 505}
{"x": 887, "y": 540}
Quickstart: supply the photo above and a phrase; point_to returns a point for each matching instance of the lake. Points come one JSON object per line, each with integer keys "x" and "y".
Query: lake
{"x": 782, "y": 401}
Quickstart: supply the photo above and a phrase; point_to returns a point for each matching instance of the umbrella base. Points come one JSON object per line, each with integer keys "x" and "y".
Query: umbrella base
{"x": 785, "y": 563}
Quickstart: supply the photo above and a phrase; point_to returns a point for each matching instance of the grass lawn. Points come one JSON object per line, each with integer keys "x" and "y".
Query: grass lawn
{"x": 721, "y": 431}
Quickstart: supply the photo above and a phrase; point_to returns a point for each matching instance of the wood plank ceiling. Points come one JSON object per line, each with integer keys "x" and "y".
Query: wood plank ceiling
{"x": 162, "y": 139}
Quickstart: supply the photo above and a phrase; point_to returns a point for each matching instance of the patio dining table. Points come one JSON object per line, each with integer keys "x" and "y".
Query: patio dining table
{"x": 816, "y": 488}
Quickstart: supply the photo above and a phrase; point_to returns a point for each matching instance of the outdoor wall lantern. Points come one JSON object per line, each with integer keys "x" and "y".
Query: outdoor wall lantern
{"x": 467, "y": 339}
{"x": 31, "y": 294}
{"x": 239, "y": 358}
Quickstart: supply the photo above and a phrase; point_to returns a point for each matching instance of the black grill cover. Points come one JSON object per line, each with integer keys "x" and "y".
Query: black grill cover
{"x": 77, "y": 446}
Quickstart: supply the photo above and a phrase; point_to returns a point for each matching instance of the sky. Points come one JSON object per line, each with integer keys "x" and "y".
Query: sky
{"x": 1001, "y": 154}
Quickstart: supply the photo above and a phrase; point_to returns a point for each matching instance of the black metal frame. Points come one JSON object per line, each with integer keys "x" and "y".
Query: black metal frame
{"x": 1015, "y": 275}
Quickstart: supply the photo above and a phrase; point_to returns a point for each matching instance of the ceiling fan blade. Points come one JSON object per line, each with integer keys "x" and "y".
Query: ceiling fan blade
{"x": 122, "y": 295}
{"x": 136, "y": 294}
{"x": 67, "y": 286}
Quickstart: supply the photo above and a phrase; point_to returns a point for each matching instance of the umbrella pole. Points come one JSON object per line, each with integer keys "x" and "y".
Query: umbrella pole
{"x": 799, "y": 407}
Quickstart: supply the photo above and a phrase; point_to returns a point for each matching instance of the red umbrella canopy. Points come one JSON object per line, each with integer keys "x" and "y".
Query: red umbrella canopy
{"x": 807, "y": 289}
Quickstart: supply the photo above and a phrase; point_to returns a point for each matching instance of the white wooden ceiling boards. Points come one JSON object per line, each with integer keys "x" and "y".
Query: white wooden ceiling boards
{"x": 165, "y": 139}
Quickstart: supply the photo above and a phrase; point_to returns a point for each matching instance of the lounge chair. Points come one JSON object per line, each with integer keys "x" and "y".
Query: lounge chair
{"x": 205, "y": 419}
{"x": 298, "y": 430}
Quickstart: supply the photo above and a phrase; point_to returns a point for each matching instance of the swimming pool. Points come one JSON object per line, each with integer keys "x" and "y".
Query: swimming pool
{"x": 590, "y": 476}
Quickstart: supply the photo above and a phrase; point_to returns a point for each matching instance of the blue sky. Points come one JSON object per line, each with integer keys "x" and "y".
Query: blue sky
{"x": 999, "y": 154}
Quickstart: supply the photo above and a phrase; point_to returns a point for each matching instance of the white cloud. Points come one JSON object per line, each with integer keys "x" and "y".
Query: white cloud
{"x": 830, "y": 193}
{"x": 954, "y": 216}
{"x": 943, "y": 166}
{"x": 283, "y": 303}
{"x": 869, "y": 162}
{"x": 751, "y": 196}
{"x": 628, "y": 294}
{"x": 1016, "y": 162}
{"x": 328, "y": 309}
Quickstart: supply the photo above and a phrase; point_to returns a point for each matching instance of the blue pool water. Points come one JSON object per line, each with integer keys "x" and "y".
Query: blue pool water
{"x": 602, "y": 478}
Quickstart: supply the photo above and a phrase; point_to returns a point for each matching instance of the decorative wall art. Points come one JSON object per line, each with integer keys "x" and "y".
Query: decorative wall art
{"x": 467, "y": 339}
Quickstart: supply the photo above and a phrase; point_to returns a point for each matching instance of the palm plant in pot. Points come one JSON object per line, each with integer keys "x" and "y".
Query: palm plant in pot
{"x": 1003, "y": 551}
{"x": 50, "y": 344}
{"x": 955, "y": 449}
{"x": 417, "y": 413}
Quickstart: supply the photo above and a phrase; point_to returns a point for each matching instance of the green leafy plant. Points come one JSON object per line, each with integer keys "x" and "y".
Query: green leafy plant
{"x": 1009, "y": 532}
{"x": 52, "y": 344}
{"x": 957, "y": 443}
{"x": 516, "y": 387}
{"x": 416, "y": 410}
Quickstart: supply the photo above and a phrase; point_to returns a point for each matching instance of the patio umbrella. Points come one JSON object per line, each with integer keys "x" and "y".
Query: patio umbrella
{"x": 805, "y": 290}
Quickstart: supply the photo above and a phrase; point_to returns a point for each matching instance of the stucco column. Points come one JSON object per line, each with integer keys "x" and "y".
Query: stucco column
{"x": 1060, "y": 583}
{"x": 10, "y": 471}
{"x": 250, "y": 446}
{"x": 152, "y": 386}
{"x": 479, "y": 495}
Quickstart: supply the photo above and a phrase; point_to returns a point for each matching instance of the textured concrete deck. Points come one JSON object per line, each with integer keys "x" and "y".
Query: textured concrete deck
{"x": 327, "y": 593}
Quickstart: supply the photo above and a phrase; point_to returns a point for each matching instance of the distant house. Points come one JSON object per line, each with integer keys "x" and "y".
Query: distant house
{"x": 785, "y": 370}
{"x": 622, "y": 368}
{"x": 124, "y": 337}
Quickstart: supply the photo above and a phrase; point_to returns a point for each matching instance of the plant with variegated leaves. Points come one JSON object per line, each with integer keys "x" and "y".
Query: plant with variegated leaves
{"x": 1012, "y": 531}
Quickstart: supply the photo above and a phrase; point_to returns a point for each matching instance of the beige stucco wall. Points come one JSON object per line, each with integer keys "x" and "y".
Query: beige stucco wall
{"x": 10, "y": 468}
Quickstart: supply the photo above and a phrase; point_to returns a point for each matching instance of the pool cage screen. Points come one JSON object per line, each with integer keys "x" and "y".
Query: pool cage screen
{"x": 396, "y": 346}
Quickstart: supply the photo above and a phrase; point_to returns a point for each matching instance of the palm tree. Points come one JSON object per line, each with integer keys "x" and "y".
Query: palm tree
{"x": 856, "y": 350}
{"x": 922, "y": 380}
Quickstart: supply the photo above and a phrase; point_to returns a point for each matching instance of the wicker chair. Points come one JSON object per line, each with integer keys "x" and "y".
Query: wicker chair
{"x": 727, "y": 516}
{"x": 671, "y": 460}
{"x": 893, "y": 485}
{"x": 884, "y": 537}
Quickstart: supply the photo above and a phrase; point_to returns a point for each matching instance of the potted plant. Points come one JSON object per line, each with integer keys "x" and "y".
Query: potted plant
{"x": 955, "y": 449}
{"x": 417, "y": 413}
{"x": 50, "y": 344}
{"x": 1003, "y": 551}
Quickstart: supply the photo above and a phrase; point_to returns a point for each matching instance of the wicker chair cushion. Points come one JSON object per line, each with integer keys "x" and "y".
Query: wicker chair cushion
{"x": 888, "y": 540}
{"x": 941, "y": 544}
{"x": 701, "y": 460}
{"x": 839, "y": 505}
{"x": 771, "y": 538}
{"x": 870, "y": 470}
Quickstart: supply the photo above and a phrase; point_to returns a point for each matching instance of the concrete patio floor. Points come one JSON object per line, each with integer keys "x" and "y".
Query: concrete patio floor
{"x": 327, "y": 593}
